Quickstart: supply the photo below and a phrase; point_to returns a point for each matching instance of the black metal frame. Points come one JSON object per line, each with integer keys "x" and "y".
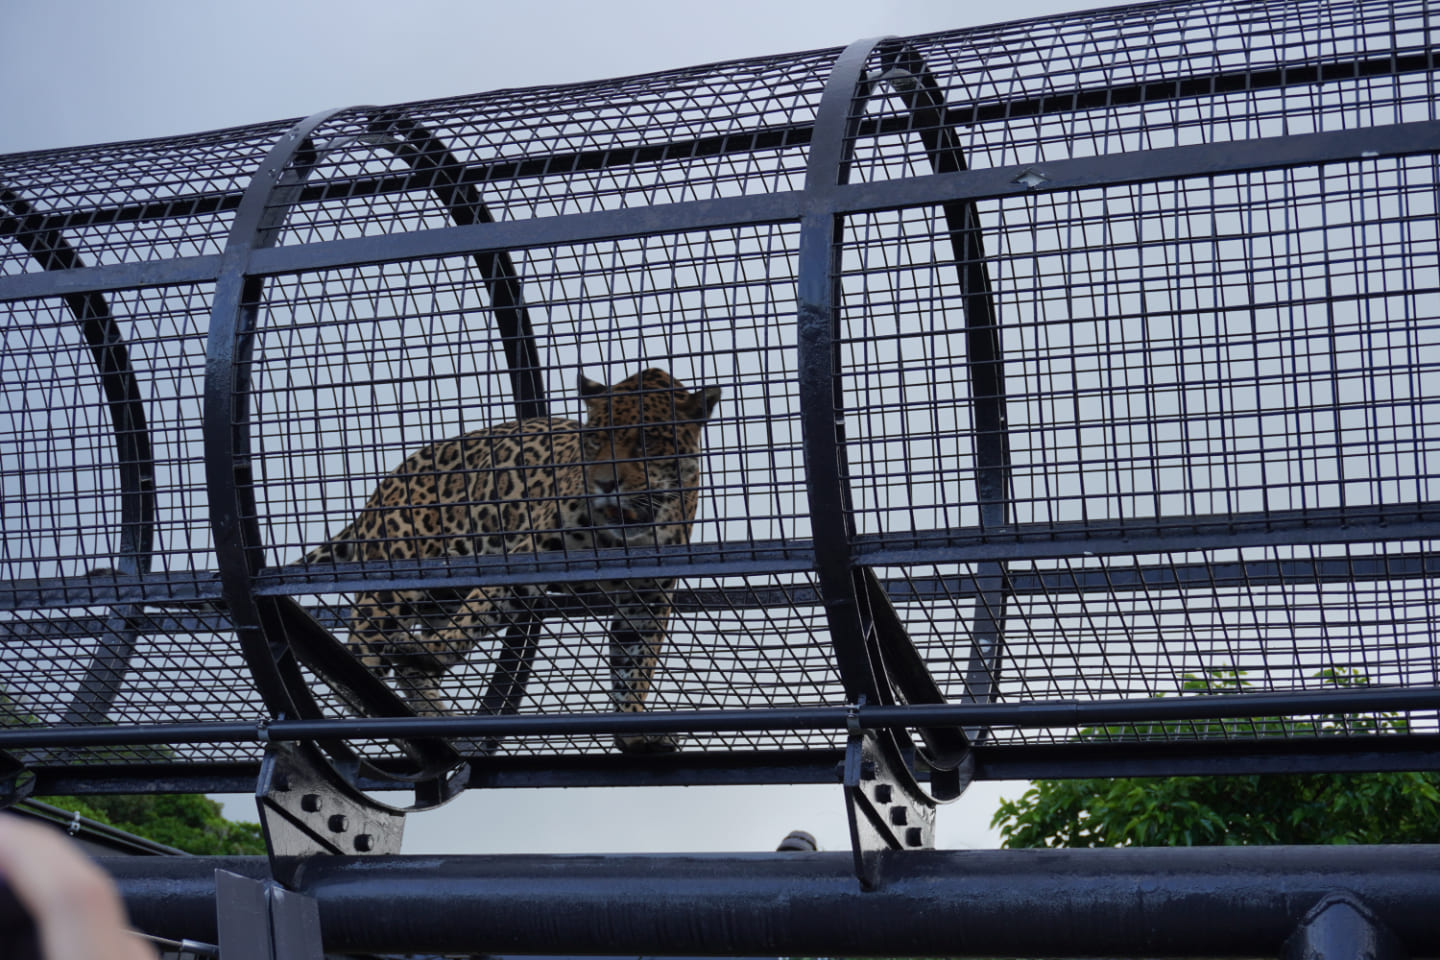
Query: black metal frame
{"x": 1292, "y": 902}
{"x": 932, "y": 653}
{"x": 824, "y": 199}
{"x": 844, "y": 586}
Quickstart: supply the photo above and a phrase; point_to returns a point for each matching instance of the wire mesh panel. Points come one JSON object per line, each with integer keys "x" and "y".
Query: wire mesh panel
{"x": 1081, "y": 360}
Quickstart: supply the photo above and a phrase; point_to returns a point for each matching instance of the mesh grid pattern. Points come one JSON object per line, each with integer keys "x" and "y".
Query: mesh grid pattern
{"x": 1207, "y": 437}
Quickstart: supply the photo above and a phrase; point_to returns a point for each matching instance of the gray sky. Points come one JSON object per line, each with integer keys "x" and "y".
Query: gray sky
{"x": 89, "y": 71}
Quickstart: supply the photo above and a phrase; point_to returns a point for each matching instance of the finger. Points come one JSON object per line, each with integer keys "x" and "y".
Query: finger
{"x": 77, "y": 911}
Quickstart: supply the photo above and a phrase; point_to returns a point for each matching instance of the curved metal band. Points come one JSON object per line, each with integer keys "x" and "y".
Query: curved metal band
{"x": 429, "y": 158}
{"x": 135, "y": 460}
{"x": 273, "y": 631}
{"x": 233, "y": 515}
{"x": 820, "y": 390}
{"x": 270, "y": 630}
{"x": 857, "y": 610}
{"x": 875, "y": 657}
{"x": 427, "y": 155}
{"x": 907, "y": 73}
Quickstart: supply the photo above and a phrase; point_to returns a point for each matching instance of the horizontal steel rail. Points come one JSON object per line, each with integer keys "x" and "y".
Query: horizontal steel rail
{"x": 192, "y": 602}
{"x": 1188, "y": 902}
{"x": 1053, "y": 713}
{"x": 788, "y": 136}
{"x": 1015, "y": 180}
{"x": 814, "y": 765}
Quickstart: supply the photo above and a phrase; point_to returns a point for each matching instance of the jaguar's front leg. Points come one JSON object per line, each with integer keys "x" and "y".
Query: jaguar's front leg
{"x": 450, "y": 631}
{"x": 637, "y": 635}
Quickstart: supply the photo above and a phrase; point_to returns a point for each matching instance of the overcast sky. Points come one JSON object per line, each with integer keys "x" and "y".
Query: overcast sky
{"x": 89, "y": 71}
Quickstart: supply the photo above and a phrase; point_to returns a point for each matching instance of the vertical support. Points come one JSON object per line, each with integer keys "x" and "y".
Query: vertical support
{"x": 823, "y": 436}
{"x": 260, "y": 920}
{"x": 821, "y": 393}
{"x": 1341, "y": 927}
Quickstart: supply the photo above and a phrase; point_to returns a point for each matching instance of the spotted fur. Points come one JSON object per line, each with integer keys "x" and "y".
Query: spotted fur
{"x": 628, "y": 476}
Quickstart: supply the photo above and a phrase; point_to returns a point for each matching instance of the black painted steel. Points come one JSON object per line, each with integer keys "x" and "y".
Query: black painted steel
{"x": 1412, "y": 138}
{"x": 1188, "y": 902}
{"x": 286, "y": 625}
{"x": 257, "y": 919}
{"x": 273, "y": 631}
{"x": 1342, "y": 926}
{"x": 1101, "y": 351}
{"x": 906, "y": 72}
{"x": 1065, "y": 761}
{"x": 821, "y": 389}
{"x": 863, "y": 629}
{"x": 134, "y": 460}
{"x": 1145, "y": 714}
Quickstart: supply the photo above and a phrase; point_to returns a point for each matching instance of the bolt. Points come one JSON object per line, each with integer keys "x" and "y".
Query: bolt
{"x": 883, "y": 792}
{"x": 867, "y": 769}
{"x": 281, "y": 783}
{"x": 364, "y": 842}
{"x": 338, "y": 823}
{"x": 311, "y": 803}
{"x": 897, "y": 816}
{"x": 914, "y": 836}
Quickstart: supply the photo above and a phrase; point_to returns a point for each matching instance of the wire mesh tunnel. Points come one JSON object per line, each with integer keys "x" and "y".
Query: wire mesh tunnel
{"x": 1073, "y": 410}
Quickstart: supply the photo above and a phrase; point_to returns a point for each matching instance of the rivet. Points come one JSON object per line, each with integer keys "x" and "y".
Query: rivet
{"x": 311, "y": 803}
{"x": 338, "y": 823}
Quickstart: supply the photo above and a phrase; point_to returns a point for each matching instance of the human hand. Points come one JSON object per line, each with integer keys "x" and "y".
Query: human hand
{"x": 76, "y": 909}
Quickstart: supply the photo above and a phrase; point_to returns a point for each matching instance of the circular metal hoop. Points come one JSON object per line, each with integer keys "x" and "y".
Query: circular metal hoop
{"x": 274, "y": 633}
{"x": 876, "y": 658}
{"x": 135, "y": 459}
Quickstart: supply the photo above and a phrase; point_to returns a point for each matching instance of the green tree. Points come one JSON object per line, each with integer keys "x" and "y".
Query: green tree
{"x": 191, "y": 822}
{"x": 1204, "y": 811}
{"x": 188, "y": 822}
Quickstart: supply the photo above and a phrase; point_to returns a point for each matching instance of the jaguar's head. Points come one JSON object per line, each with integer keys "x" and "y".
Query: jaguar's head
{"x": 641, "y": 448}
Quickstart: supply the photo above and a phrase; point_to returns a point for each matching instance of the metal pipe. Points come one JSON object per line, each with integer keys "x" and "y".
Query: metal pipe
{"x": 1054, "y": 713}
{"x": 1216, "y": 902}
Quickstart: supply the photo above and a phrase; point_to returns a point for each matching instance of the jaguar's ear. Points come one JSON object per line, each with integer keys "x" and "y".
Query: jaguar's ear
{"x": 700, "y": 404}
{"x": 588, "y": 388}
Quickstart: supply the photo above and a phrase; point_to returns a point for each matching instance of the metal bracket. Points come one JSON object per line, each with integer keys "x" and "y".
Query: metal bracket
{"x": 16, "y": 781}
{"x": 261, "y": 920}
{"x": 1341, "y": 925}
{"x": 307, "y": 809}
{"x": 886, "y": 807}
{"x": 945, "y": 750}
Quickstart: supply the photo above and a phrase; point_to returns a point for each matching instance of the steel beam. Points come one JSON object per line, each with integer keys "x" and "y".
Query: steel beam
{"x": 1192, "y": 902}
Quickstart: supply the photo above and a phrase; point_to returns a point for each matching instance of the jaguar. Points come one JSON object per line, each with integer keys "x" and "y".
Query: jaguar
{"x": 628, "y": 476}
